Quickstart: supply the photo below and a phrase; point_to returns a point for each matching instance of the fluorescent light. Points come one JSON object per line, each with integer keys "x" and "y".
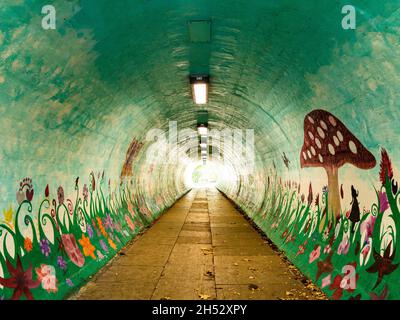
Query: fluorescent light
{"x": 204, "y": 152}
{"x": 203, "y": 145}
{"x": 199, "y": 85}
{"x": 202, "y": 131}
{"x": 200, "y": 93}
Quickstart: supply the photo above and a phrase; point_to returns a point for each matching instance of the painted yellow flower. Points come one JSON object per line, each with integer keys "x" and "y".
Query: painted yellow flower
{"x": 8, "y": 216}
{"x": 88, "y": 248}
{"x": 112, "y": 244}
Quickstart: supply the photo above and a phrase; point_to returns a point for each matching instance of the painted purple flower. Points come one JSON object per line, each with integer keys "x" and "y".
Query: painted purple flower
{"x": 62, "y": 264}
{"x": 116, "y": 238}
{"x": 69, "y": 282}
{"x": 103, "y": 245}
{"x": 108, "y": 223}
{"x": 85, "y": 192}
{"x": 89, "y": 231}
{"x": 383, "y": 201}
{"x": 45, "y": 247}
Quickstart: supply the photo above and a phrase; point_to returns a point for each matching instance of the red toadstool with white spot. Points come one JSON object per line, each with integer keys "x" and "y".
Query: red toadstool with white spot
{"x": 329, "y": 144}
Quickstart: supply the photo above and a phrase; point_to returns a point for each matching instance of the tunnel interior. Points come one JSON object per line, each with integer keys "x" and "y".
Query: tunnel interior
{"x": 98, "y": 123}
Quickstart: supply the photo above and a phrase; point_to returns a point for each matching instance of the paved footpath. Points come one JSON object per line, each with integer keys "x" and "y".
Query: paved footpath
{"x": 201, "y": 248}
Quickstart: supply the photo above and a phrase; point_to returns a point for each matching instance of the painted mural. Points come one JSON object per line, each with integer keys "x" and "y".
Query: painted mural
{"x": 351, "y": 253}
{"x": 48, "y": 251}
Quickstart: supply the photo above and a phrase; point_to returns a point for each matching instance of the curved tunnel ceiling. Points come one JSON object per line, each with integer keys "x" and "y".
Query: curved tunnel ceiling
{"x": 112, "y": 71}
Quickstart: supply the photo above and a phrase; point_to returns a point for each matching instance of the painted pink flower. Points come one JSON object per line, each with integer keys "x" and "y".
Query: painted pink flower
{"x": 315, "y": 254}
{"x": 130, "y": 209}
{"x": 344, "y": 247}
{"x": 47, "y": 275}
{"x": 367, "y": 226}
{"x": 72, "y": 249}
{"x": 326, "y": 281}
{"x": 129, "y": 222}
{"x": 383, "y": 201}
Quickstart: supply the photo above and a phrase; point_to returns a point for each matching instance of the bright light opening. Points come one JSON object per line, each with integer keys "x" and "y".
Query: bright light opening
{"x": 203, "y": 145}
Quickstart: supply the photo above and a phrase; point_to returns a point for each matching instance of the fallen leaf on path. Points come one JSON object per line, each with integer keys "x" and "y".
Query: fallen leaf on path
{"x": 253, "y": 286}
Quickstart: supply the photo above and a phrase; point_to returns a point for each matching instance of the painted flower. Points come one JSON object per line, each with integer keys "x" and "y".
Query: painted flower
{"x": 85, "y": 192}
{"x": 101, "y": 227}
{"x": 325, "y": 189}
{"x": 327, "y": 249}
{"x": 130, "y": 209}
{"x": 60, "y": 195}
{"x": 301, "y": 248}
{"x": 367, "y": 226}
{"x": 315, "y": 254}
{"x": 21, "y": 281}
{"x": 317, "y": 200}
{"x": 45, "y": 247}
{"x": 324, "y": 266}
{"x": 117, "y": 239}
{"x": 69, "y": 282}
{"x": 344, "y": 246}
{"x": 103, "y": 245}
{"x": 88, "y": 248}
{"x": 325, "y": 235}
{"x": 72, "y": 249}
{"x": 326, "y": 281}
{"x": 112, "y": 244}
{"x": 62, "y": 264}
{"x": 47, "y": 276}
{"x": 129, "y": 222}
{"x": 100, "y": 255}
{"x": 385, "y": 167}
{"x": 25, "y": 184}
{"x": 95, "y": 228}
{"x": 89, "y": 231}
{"x": 383, "y": 201}
{"x": 310, "y": 195}
{"x": 108, "y": 222}
{"x": 383, "y": 265}
{"x": 28, "y": 244}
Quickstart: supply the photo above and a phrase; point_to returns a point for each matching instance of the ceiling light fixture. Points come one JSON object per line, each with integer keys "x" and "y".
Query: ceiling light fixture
{"x": 202, "y": 131}
{"x": 199, "y": 84}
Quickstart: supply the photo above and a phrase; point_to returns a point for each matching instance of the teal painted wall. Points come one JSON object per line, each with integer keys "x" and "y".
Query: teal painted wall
{"x": 73, "y": 99}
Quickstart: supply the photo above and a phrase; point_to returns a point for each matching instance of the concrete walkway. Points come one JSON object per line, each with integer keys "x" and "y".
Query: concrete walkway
{"x": 202, "y": 248}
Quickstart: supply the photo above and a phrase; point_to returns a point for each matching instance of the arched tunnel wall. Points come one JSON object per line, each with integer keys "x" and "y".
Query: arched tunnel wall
{"x": 77, "y": 105}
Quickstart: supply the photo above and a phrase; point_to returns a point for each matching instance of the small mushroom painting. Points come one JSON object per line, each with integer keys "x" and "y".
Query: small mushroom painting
{"x": 329, "y": 144}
